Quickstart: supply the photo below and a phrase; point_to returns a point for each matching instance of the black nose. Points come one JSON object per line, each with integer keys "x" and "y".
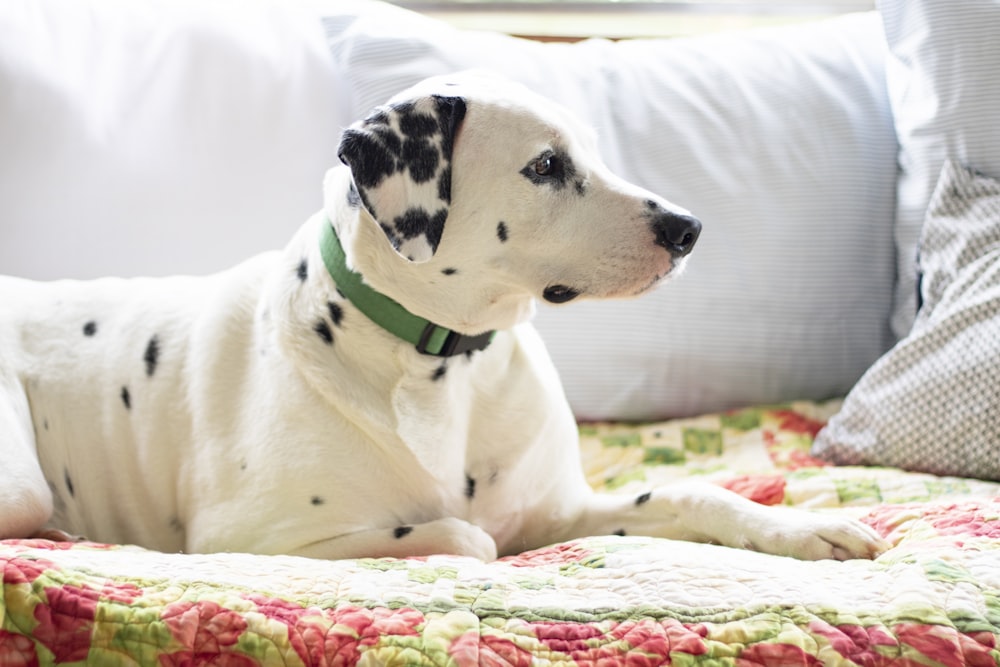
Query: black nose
{"x": 675, "y": 232}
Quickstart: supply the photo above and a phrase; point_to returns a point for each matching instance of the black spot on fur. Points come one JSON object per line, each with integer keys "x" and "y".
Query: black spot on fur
{"x": 402, "y": 531}
{"x": 421, "y": 159}
{"x": 243, "y": 464}
{"x": 444, "y": 185}
{"x": 316, "y": 501}
{"x": 302, "y": 270}
{"x": 581, "y": 187}
{"x": 449, "y": 271}
{"x": 416, "y": 125}
{"x": 126, "y": 398}
{"x": 369, "y": 156}
{"x": 176, "y": 524}
{"x": 419, "y": 156}
{"x": 322, "y": 330}
{"x": 439, "y": 372}
{"x": 417, "y": 221}
{"x": 152, "y": 355}
{"x": 69, "y": 482}
{"x": 620, "y": 532}
{"x": 436, "y": 229}
{"x": 470, "y": 487}
{"x": 643, "y": 499}
{"x": 90, "y": 328}
{"x": 390, "y": 139}
{"x": 502, "y": 231}
{"x": 401, "y": 108}
{"x": 336, "y": 313}
{"x": 379, "y": 116}
{"x": 450, "y": 113}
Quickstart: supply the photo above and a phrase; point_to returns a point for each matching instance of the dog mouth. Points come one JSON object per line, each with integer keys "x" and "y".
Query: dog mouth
{"x": 655, "y": 282}
{"x": 559, "y": 293}
{"x": 676, "y": 268}
{"x": 664, "y": 271}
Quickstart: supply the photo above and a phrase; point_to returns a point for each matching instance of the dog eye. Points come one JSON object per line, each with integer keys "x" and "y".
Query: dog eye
{"x": 549, "y": 168}
{"x": 546, "y": 165}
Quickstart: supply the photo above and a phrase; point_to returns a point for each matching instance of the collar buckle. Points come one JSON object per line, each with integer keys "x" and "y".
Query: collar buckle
{"x": 453, "y": 344}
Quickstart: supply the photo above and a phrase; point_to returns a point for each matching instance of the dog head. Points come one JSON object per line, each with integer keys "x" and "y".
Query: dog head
{"x": 490, "y": 196}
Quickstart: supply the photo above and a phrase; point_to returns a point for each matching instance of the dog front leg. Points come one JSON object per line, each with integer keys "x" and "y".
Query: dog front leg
{"x": 443, "y": 536}
{"x": 704, "y": 512}
{"x": 25, "y": 498}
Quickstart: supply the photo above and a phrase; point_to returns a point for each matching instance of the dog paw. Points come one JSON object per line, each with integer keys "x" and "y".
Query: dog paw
{"x": 812, "y": 536}
{"x": 460, "y": 538}
{"x": 56, "y": 535}
{"x": 844, "y": 539}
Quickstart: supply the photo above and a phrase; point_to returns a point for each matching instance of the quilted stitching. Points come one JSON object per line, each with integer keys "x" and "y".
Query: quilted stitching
{"x": 932, "y": 599}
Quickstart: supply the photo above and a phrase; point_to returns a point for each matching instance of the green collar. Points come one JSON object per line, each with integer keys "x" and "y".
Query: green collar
{"x": 429, "y": 338}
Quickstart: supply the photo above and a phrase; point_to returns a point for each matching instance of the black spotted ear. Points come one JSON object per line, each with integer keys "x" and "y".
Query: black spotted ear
{"x": 400, "y": 158}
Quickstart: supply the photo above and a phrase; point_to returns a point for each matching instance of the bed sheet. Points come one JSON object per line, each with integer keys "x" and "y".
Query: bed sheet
{"x": 932, "y": 599}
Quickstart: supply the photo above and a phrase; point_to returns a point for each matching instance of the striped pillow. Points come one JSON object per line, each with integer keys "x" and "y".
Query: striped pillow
{"x": 932, "y": 403}
{"x": 943, "y": 75}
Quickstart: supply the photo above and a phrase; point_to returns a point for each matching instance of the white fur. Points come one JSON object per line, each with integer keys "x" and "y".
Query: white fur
{"x": 251, "y": 433}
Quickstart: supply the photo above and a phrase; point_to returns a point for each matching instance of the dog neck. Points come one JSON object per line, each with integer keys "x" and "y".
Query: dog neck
{"x": 427, "y": 337}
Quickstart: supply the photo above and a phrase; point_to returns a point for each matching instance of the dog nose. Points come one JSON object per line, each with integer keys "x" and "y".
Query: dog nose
{"x": 676, "y": 232}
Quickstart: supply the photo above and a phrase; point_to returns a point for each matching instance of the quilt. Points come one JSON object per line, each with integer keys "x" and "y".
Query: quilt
{"x": 932, "y": 600}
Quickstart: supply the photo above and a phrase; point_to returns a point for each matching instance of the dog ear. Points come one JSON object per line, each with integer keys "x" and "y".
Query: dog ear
{"x": 400, "y": 159}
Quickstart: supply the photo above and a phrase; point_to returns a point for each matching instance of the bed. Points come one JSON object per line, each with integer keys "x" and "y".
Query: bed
{"x": 932, "y": 599}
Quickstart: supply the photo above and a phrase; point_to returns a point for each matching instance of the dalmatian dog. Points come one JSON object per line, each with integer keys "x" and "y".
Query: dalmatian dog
{"x": 376, "y": 388}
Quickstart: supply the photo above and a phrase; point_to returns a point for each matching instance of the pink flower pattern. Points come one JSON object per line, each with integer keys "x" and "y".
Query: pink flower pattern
{"x": 51, "y": 616}
{"x": 17, "y": 650}
{"x": 763, "y": 489}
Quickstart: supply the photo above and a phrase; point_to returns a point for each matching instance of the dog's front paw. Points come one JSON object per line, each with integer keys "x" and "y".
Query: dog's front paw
{"x": 811, "y": 536}
{"x": 56, "y": 535}
{"x": 844, "y": 539}
{"x": 457, "y": 537}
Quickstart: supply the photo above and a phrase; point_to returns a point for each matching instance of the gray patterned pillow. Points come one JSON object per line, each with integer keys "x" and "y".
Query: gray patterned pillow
{"x": 932, "y": 403}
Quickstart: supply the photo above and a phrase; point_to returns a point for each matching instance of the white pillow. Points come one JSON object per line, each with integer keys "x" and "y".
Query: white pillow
{"x": 932, "y": 403}
{"x": 158, "y": 137}
{"x": 780, "y": 140}
{"x": 943, "y": 76}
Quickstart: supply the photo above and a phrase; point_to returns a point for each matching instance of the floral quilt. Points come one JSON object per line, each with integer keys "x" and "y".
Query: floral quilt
{"x": 932, "y": 600}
